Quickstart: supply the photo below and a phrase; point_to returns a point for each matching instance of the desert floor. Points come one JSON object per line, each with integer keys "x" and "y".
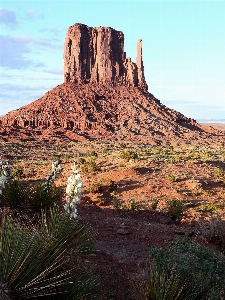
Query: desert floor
{"x": 125, "y": 199}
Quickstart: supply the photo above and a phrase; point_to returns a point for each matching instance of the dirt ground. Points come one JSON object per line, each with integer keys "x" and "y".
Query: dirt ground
{"x": 125, "y": 201}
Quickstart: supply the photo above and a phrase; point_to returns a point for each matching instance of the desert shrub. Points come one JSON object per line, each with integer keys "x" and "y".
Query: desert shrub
{"x": 81, "y": 160}
{"x": 172, "y": 178}
{"x": 204, "y": 268}
{"x": 131, "y": 204}
{"x": 212, "y": 206}
{"x": 219, "y": 173}
{"x": 122, "y": 145}
{"x": 15, "y": 194}
{"x": 154, "y": 203}
{"x": 214, "y": 230}
{"x": 116, "y": 203}
{"x": 101, "y": 185}
{"x": 95, "y": 186}
{"x": 105, "y": 151}
{"x": 90, "y": 166}
{"x": 93, "y": 154}
{"x": 40, "y": 198}
{"x": 17, "y": 173}
{"x": 164, "y": 286}
{"x": 176, "y": 208}
{"x": 128, "y": 155}
{"x": 36, "y": 262}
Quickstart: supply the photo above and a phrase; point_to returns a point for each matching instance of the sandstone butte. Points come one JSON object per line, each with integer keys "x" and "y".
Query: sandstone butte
{"x": 105, "y": 97}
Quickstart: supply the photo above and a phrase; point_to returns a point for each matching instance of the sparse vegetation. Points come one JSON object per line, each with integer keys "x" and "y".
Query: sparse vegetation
{"x": 199, "y": 268}
{"x": 35, "y": 261}
{"x": 126, "y": 180}
{"x": 176, "y": 209}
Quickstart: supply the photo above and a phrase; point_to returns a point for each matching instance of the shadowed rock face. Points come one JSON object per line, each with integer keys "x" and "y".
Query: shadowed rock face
{"x": 96, "y": 55}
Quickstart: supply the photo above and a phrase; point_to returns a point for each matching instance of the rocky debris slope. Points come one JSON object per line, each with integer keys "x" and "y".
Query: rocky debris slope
{"x": 78, "y": 111}
{"x": 104, "y": 96}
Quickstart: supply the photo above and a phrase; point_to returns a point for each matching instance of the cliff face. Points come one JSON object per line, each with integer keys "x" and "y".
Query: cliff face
{"x": 96, "y": 55}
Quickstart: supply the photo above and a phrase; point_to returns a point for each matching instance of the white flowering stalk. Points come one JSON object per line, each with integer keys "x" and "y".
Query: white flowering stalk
{"x": 56, "y": 169}
{"x": 73, "y": 191}
{"x": 5, "y": 174}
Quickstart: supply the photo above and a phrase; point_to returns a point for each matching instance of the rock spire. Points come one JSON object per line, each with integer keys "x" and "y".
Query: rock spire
{"x": 96, "y": 54}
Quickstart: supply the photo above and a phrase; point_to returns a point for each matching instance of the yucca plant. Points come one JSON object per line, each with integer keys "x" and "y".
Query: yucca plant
{"x": 200, "y": 268}
{"x": 36, "y": 261}
{"x": 166, "y": 286}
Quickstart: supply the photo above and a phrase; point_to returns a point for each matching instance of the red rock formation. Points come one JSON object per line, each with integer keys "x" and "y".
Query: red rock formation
{"x": 97, "y": 55}
{"x": 118, "y": 107}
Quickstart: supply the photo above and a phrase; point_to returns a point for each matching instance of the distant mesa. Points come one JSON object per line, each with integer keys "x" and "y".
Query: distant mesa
{"x": 105, "y": 97}
{"x": 96, "y": 55}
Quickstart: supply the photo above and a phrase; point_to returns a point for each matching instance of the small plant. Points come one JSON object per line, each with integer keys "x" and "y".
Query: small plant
{"x": 212, "y": 206}
{"x": 15, "y": 194}
{"x": 162, "y": 285}
{"x": 105, "y": 151}
{"x": 90, "y": 166}
{"x": 203, "y": 268}
{"x": 93, "y": 154}
{"x": 116, "y": 203}
{"x": 219, "y": 173}
{"x": 155, "y": 203}
{"x": 131, "y": 204}
{"x": 95, "y": 187}
{"x": 102, "y": 184}
{"x": 176, "y": 209}
{"x": 17, "y": 173}
{"x": 40, "y": 198}
{"x": 172, "y": 178}
{"x": 128, "y": 155}
{"x": 214, "y": 230}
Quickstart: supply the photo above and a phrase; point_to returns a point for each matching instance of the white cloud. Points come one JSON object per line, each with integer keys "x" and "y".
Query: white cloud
{"x": 15, "y": 51}
{"x": 8, "y": 18}
{"x": 32, "y": 15}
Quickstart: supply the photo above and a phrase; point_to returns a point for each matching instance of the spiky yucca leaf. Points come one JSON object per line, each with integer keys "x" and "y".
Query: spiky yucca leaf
{"x": 71, "y": 231}
{"x": 34, "y": 264}
{"x": 164, "y": 286}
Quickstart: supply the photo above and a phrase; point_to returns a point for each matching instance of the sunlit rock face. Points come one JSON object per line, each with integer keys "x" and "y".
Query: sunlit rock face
{"x": 96, "y": 54}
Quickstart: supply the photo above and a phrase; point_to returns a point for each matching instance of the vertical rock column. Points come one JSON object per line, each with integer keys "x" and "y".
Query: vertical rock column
{"x": 140, "y": 66}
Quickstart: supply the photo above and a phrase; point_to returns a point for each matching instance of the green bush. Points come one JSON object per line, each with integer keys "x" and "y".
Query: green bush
{"x": 105, "y": 151}
{"x": 101, "y": 185}
{"x": 37, "y": 262}
{"x": 128, "y": 155}
{"x": 176, "y": 209}
{"x": 165, "y": 286}
{"x": 90, "y": 166}
{"x": 17, "y": 173}
{"x": 15, "y": 194}
{"x": 172, "y": 178}
{"x": 204, "y": 269}
{"x": 22, "y": 195}
{"x": 93, "y": 154}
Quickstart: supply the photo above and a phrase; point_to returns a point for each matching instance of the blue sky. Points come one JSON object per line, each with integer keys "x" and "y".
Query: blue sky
{"x": 183, "y": 48}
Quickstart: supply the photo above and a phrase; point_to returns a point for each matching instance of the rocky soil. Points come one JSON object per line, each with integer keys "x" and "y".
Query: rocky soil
{"x": 124, "y": 202}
